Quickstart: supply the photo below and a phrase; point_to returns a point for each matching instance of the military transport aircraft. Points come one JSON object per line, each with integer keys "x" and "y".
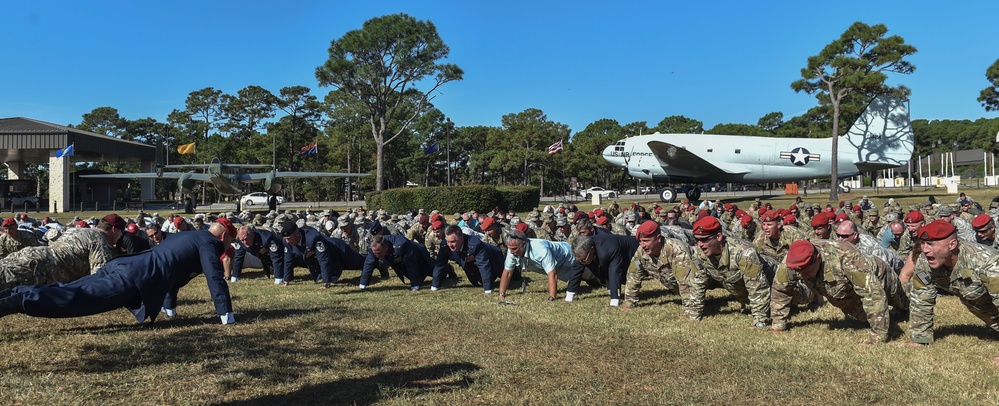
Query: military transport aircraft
{"x": 227, "y": 178}
{"x": 881, "y": 138}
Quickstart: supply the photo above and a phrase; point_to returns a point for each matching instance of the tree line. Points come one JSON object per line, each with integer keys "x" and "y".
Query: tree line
{"x": 374, "y": 119}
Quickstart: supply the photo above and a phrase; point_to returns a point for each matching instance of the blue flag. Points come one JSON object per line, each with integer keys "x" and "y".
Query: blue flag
{"x": 65, "y": 152}
{"x": 432, "y": 149}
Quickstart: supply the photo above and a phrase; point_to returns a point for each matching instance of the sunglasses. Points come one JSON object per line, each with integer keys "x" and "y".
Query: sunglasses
{"x": 844, "y": 235}
{"x": 706, "y": 238}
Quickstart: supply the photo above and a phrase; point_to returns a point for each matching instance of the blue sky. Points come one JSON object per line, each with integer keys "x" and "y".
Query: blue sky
{"x": 579, "y": 61}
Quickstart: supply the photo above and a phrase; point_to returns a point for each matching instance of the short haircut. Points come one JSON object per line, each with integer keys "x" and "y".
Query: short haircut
{"x": 582, "y": 244}
{"x": 516, "y": 235}
{"x": 380, "y": 240}
{"x": 452, "y": 230}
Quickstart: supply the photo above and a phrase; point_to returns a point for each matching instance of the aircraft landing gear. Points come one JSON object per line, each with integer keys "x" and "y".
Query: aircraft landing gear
{"x": 693, "y": 193}
{"x": 667, "y": 195}
{"x": 272, "y": 202}
{"x": 844, "y": 188}
{"x": 188, "y": 205}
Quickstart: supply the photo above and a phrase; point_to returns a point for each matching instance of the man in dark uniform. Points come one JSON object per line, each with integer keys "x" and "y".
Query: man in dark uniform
{"x": 128, "y": 243}
{"x": 608, "y": 256}
{"x": 259, "y": 243}
{"x": 324, "y": 256}
{"x": 140, "y": 282}
{"x": 409, "y": 260}
{"x": 482, "y": 263}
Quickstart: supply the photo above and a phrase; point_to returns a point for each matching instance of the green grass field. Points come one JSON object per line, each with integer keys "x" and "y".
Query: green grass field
{"x": 302, "y": 345}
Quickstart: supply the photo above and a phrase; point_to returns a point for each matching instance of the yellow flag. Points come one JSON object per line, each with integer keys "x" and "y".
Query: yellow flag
{"x": 185, "y": 149}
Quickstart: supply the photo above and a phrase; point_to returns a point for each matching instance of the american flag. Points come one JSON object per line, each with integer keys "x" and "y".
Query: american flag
{"x": 555, "y": 148}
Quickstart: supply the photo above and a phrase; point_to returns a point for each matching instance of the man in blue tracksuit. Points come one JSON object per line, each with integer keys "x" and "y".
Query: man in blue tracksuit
{"x": 143, "y": 283}
{"x": 482, "y": 263}
{"x": 325, "y": 257}
{"x": 407, "y": 258}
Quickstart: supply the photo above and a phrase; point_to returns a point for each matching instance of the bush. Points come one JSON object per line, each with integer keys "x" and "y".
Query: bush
{"x": 519, "y": 198}
{"x": 455, "y": 199}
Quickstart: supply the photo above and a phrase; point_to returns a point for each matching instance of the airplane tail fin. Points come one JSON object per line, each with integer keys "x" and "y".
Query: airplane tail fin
{"x": 882, "y": 135}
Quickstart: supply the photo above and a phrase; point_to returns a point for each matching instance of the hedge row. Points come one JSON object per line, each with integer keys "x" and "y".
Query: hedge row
{"x": 455, "y": 199}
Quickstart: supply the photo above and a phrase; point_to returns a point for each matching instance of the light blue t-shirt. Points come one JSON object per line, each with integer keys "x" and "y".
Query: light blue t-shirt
{"x": 543, "y": 256}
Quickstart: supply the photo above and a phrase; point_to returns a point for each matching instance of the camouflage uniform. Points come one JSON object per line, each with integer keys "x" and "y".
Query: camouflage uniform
{"x": 904, "y": 246}
{"x": 974, "y": 280}
{"x": 777, "y": 249}
{"x": 354, "y": 239}
{"x": 872, "y": 227}
{"x": 10, "y": 245}
{"x": 499, "y": 243}
{"x": 739, "y": 270}
{"x": 75, "y": 254}
{"x": 560, "y": 236}
{"x": 964, "y": 230}
{"x": 860, "y": 285}
{"x": 417, "y": 233}
{"x": 433, "y": 244}
{"x": 673, "y": 263}
{"x": 618, "y": 229}
{"x": 871, "y": 246}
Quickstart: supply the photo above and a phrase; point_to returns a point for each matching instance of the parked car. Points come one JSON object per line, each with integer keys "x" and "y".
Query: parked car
{"x": 596, "y": 190}
{"x": 18, "y": 199}
{"x": 258, "y": 199}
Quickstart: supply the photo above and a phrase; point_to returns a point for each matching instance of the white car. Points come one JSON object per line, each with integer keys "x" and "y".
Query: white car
{"x": 258, "y": 199}
{"x": 18, "y": 199}
{"x": 596, "y": 190}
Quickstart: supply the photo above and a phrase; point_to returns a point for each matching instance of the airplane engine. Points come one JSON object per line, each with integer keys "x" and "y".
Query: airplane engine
{"x": 188, "y": 185}
{"x": 272, "y": 184}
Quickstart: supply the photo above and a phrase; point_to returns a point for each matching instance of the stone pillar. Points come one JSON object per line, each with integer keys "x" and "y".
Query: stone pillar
{"x": 58, "y": 183}
{"x": 148, "y": 185}
{"x": 15, "y": 170}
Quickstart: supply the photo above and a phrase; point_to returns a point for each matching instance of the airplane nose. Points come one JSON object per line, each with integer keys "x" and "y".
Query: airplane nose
{"x": 609, "y": 156}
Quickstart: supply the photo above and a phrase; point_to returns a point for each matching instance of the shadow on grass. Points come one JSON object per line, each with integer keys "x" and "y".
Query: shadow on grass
{"x": 970, "y": 330}
{"x": 410, "y": 383}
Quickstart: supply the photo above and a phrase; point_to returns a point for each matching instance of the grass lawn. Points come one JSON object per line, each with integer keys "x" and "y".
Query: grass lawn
{"x": 302, "y": 345}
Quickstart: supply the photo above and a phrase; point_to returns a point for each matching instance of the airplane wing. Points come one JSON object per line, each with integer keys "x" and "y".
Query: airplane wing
{"x": 678, "y": 162}
{"x": 152, "y": 175}
{"x": 257, "y": 177}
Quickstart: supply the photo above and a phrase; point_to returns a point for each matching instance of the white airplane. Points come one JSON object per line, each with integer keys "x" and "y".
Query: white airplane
{"x": 881, "y": 138}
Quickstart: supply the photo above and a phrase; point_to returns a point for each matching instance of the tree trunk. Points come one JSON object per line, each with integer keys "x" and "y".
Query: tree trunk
{"x": 834, "y": 186}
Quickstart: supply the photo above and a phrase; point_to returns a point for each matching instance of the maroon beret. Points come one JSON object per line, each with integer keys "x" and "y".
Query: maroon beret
{"x": 790, "y": 220}
{"x": 9, "y": 221}
{"x": 841, "y": 217}
{"x": 745, "y": 220}
{"x": 603, "y": 220}
{"x": 981, "y": 220}
{"x": 706, "y": 226}
{"x": 116, "y": 221}
{"x": 936, "y": 230}
{"x": 800, "y": 254}
{"x": 770, "y": 215}
{"x": 647, "y": 229}
{"x": 820, "y": 219}
{"x": 914, "y": 216}
{"x": 523, "y": 227}
{"x": 486, "y": 223}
